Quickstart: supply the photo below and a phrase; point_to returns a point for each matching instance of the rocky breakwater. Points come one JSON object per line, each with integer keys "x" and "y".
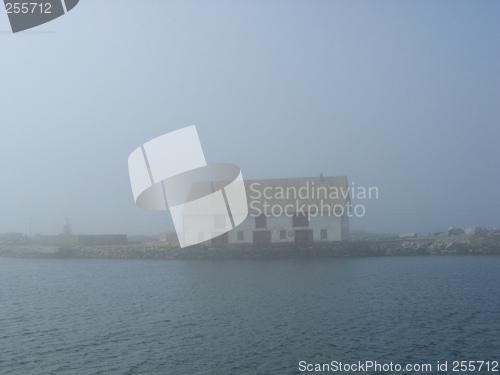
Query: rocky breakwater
{"x": 481, "y": 242}
{"x": 28, "y": 251}
{"x": 453, "y": 242}
{"x": 485, "y": 242}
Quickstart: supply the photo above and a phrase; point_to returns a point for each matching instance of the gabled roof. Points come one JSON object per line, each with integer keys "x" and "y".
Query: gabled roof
{"x": 310, "y": 191}
{"x": 318, "y": 191}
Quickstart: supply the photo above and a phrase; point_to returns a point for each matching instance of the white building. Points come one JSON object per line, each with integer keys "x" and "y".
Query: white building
{"x": 297, "y": 210}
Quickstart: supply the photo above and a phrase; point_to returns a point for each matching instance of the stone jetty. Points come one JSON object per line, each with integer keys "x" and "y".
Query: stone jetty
{"x": 487, "y": 242}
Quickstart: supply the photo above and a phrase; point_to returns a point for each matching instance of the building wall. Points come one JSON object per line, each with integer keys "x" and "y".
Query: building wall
{"x": 247, "y": 227}
{"x": 59, "y": 240}
{"x": 345, "y": 227}
{"x": 333, "y": 226}
{"x": 205, "y": 227}
{"x": 277, "y": 197}
{"x": 276, "y": 224}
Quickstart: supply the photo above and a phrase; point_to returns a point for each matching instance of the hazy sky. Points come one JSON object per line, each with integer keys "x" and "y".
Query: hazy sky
{"x": 400, "y": 95}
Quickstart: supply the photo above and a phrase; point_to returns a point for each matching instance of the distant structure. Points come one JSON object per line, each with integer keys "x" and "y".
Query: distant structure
{"x": 66, "y": 227}
{"x": 293, "y": 210}
{"x": 12, "y": 238}
{"x": 83, "y": 240}
{"x": 408, "y": 235}
{"x": 67, "y": 238}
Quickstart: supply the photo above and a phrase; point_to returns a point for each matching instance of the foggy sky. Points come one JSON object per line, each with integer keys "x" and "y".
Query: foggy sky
{"x": 403, "y": 96}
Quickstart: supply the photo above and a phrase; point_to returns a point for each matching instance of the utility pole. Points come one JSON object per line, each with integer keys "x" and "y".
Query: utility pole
{"x": 30, "y": 227}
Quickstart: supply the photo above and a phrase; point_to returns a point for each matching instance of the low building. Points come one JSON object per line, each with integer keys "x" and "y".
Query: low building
{"x": 296, "y": 210}
{"x": 83, "y": 240}
{"x": 102, "y": 239}
{"x": 13, "y": 238}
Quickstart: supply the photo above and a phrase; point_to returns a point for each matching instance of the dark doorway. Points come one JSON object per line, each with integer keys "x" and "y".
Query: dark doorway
{"x": 300, "y": 220}
{"x": 221, "y": 240}
{"x": 303, "y": 236}
{"x": 262, "y": 237}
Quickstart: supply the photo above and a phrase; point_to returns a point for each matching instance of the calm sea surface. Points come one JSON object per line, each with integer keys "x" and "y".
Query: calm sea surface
{"x": 245, "y": 317}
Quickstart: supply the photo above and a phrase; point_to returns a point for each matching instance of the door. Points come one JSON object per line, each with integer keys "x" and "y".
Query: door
{"x": 221, "y": 240}
{"x": 303, "y": 236}
{"x": 261, "y": 236}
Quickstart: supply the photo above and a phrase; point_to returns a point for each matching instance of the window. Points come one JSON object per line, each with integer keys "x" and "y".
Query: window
{"x": 260, "y": 221}
{"x": 300, "y": 220}
{"x": 324, "y": 234}
{"x": 282, "y": 234}
{"x": 240, "y": 235}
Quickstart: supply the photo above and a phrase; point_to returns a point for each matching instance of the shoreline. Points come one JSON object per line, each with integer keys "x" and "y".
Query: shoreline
{"x": 474, "y": 245}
